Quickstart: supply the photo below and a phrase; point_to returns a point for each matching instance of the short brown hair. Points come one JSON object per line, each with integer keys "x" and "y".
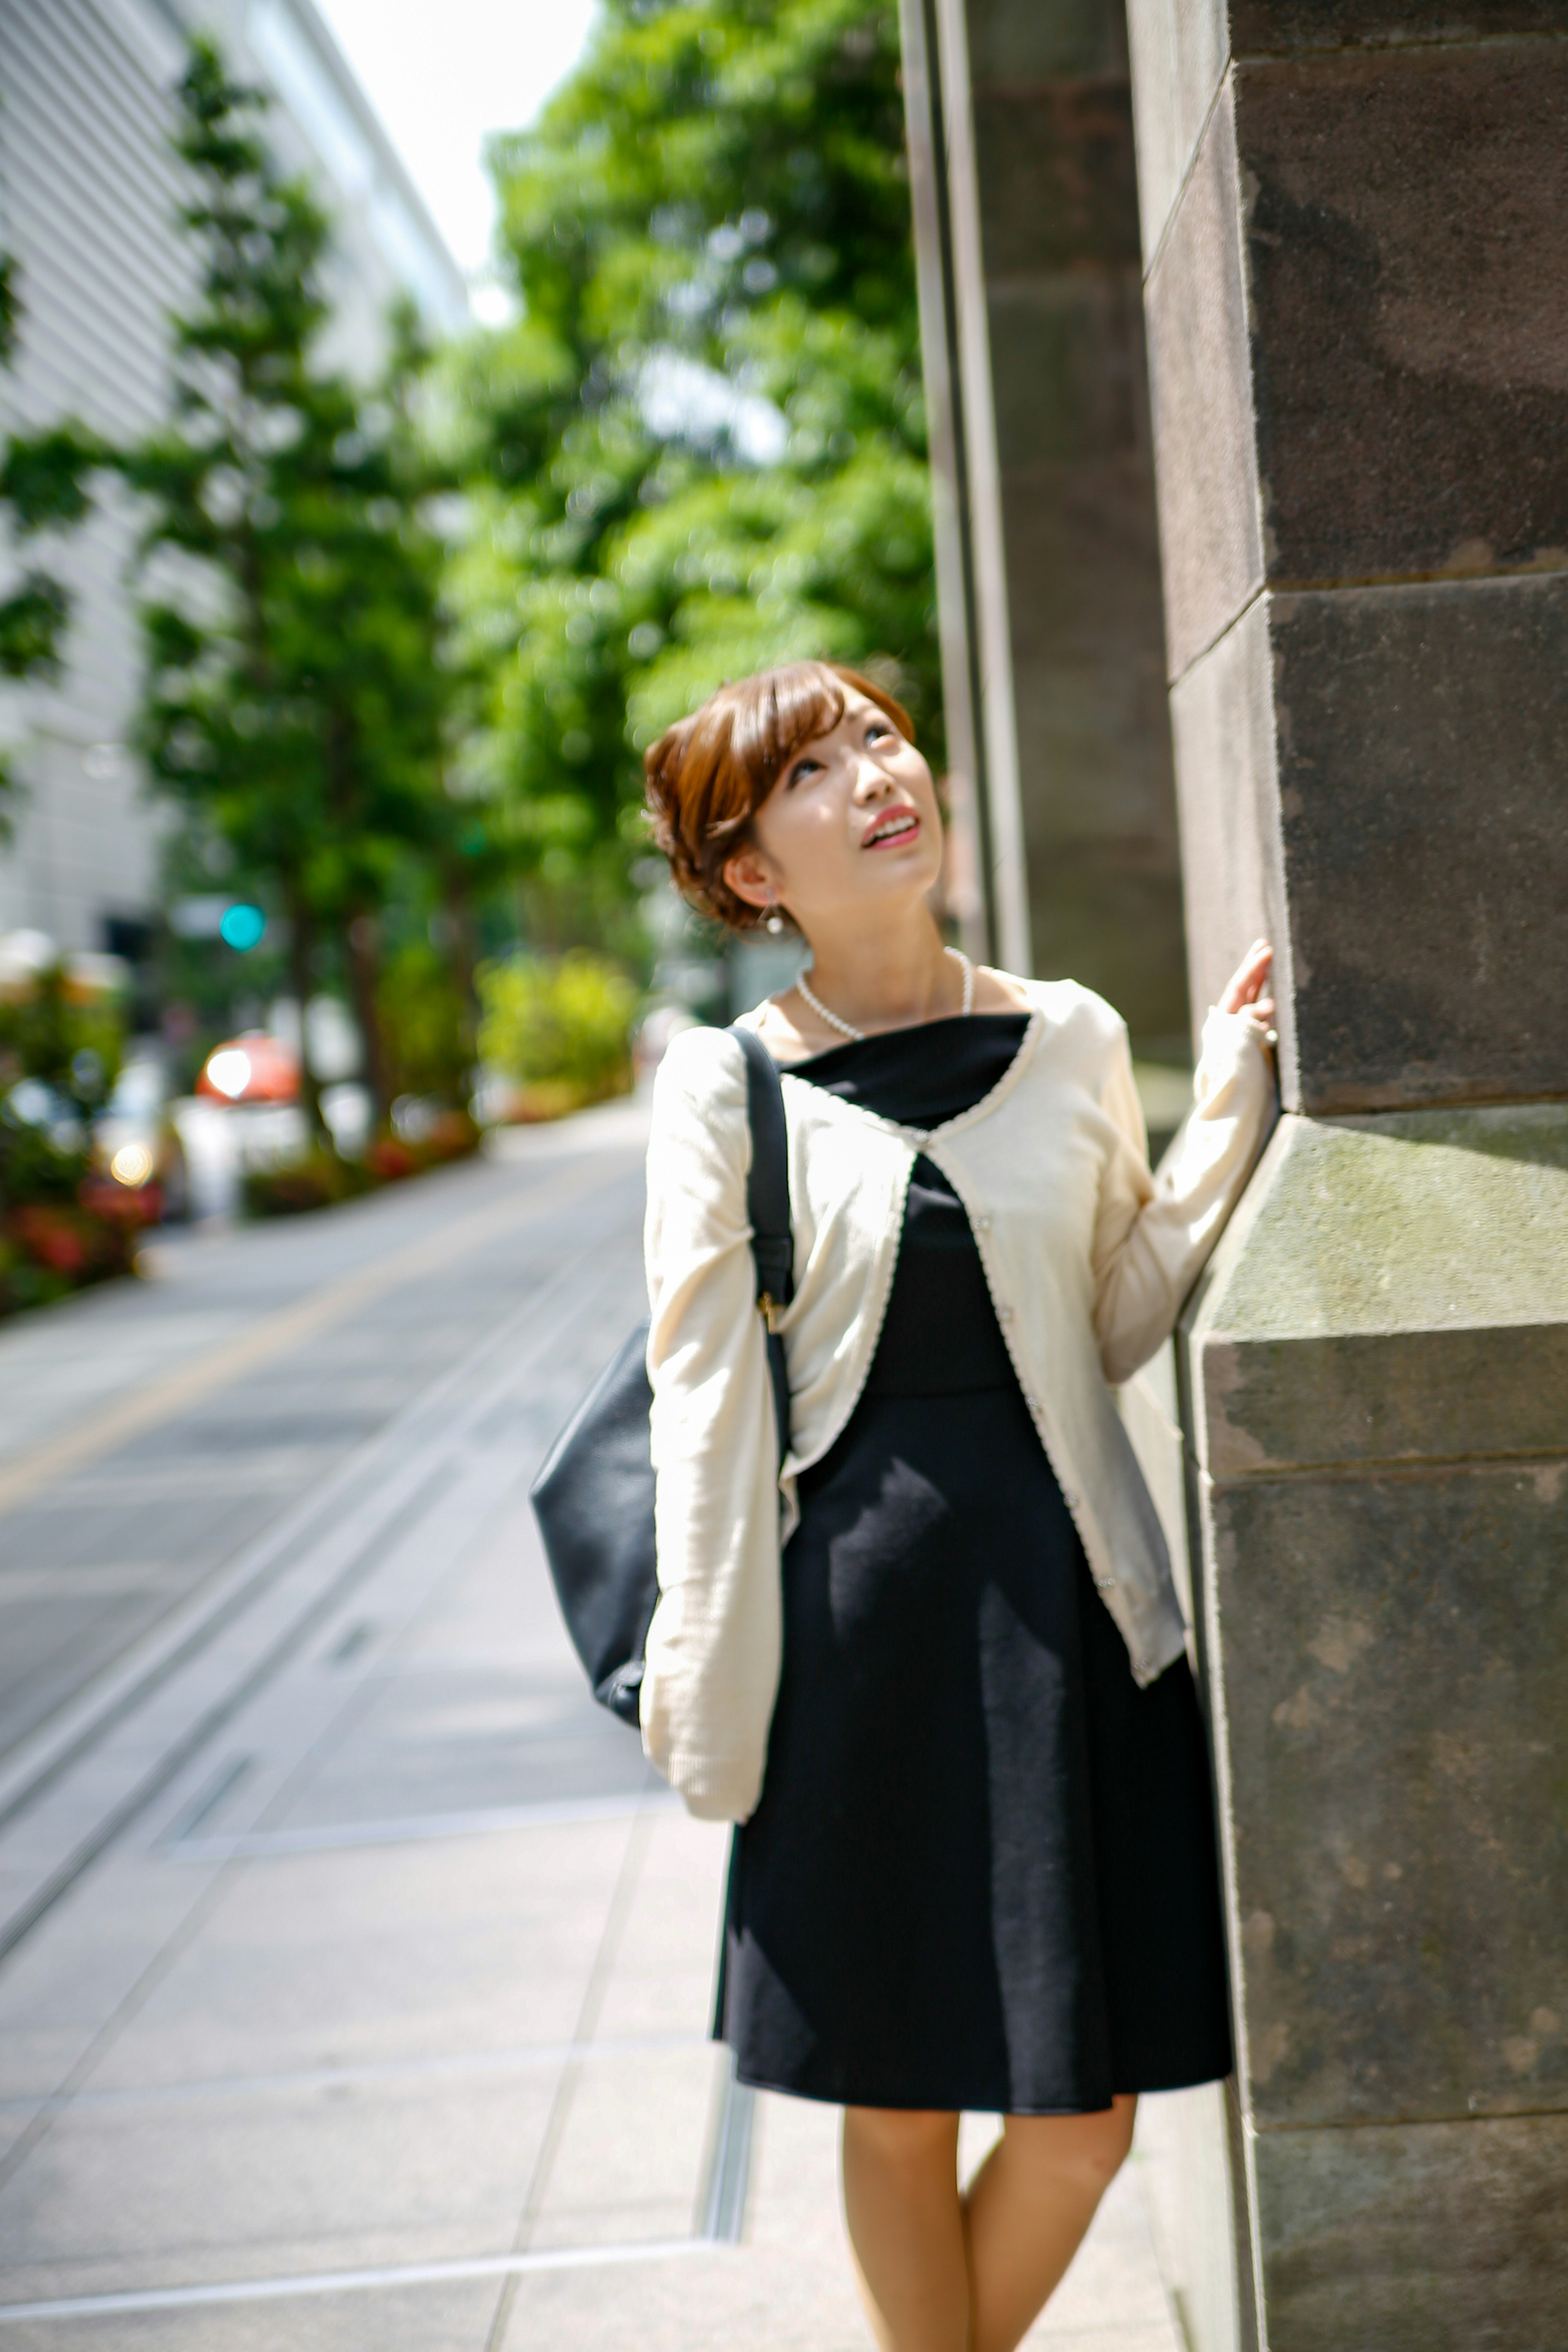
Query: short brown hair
{"x": 709, "y": 774}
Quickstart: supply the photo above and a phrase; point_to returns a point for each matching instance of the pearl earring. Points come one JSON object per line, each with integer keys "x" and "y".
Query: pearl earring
{"x": 774, "y": 921}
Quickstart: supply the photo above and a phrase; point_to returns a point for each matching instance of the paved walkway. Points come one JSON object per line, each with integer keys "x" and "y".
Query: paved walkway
{"x": 356, "y": 1972}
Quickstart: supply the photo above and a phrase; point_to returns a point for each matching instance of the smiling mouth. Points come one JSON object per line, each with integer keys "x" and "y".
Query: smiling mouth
{"x": 901, "y": 825}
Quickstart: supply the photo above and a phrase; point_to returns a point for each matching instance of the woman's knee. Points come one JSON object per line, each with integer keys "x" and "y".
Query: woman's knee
{"x": 1091, "y": 2149}
{"x": 1109, "y": 2143}
{"x": 902, "y": 2138}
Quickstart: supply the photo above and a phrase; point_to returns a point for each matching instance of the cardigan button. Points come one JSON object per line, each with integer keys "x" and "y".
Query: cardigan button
{"x": 1105, "y": 1584}
{"x": 984, "y": 1225}
{"x": 1004, "y": 1315}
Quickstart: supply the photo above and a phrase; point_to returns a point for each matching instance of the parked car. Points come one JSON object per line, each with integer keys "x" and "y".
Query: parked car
{"x": 136, "y": 1139}
{"x": 254, "y": 1068}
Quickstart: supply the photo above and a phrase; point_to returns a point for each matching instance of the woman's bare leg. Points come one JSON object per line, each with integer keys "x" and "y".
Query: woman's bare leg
{"x": 944, "y": 2274}
{"x": 906, "y": 2226}
{"x": 1027, "y": 2211}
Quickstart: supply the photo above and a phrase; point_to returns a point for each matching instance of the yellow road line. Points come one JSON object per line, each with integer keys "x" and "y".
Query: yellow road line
{"x": 217, "y": 1367}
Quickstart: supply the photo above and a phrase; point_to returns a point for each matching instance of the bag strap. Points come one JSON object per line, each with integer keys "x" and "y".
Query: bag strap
{"x": 767, "y": 1206}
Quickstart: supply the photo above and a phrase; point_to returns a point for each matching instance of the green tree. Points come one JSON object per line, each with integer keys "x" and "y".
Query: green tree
{"x": 702, "y": 444}
{"x": 298, "y": 698}
{"x": 44, "y": 486}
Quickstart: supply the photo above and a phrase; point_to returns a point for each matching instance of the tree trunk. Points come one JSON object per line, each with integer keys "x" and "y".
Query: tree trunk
{"x": 301, "y": 978}
{"x": 459, "y": 913}
{"x": 364, "y": 975}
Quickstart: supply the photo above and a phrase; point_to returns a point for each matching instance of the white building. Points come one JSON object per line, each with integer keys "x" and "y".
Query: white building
{"x": 88, "y": 191}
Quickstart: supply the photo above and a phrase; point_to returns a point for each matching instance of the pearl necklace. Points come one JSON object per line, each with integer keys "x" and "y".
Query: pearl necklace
{"x": 857, "y": 1035}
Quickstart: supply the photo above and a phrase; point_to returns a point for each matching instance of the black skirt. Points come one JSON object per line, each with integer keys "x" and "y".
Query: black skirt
{"x": 982, "y": 1875}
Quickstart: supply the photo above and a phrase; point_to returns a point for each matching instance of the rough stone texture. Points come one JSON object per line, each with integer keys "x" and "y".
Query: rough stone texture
{"x": 1357, "y": 295}
{"x": 1424, "y": 2238}
{"x": 1211, "y": 535}
{"x": 1178, "y": 50}
{"x": 1289, "y": 1404}
{"x": 1395, "y": 1667}
{"x": 1403, "y": 1296}
{"x": 1377, "y": 778}
{"x": 1423, "y": 764}
{"x": 1408, "y": 275}
{"x": 1259, "y": 27}
{"x": 1387, "y": 1609}
{"x": 1233, "y": 874}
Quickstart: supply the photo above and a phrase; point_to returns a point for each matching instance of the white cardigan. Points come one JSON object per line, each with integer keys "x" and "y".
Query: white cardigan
{"x": 1087, "y": 1262}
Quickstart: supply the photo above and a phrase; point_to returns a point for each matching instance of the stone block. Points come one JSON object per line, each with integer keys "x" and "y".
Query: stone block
{"x": 1394, "y": 1655}
{"x": 1399, "y": 1293}
{"x": 1177, "y": 50}
{"x": 1094, "y": 738}
{"x": 1029, "y": 40}
{"x": 1408, "y": 284}
{"x": 1264, "y": 28}
{"x": 1443, "y": 2237}
{"x": 1211, "y": 535}
{"x": 1059, "y": 184}
{"x": 1233, "y": 874}
{"x": 1423, "y": 783}
{"x": 1067, "y": 374}
{"x": 1096, "y": 920}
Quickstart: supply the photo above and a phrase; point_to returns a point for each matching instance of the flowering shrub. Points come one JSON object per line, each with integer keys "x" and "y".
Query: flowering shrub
{"x": 321, "y": 1179}
{"x": 48, "y": 1248}
{"x": 452, "y": 1136}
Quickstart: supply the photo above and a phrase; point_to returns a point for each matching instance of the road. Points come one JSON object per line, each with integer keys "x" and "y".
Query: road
{"x": 354, "y": 1969}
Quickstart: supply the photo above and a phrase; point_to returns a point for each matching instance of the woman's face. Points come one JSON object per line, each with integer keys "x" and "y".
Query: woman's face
{"x": 853, "y": 819}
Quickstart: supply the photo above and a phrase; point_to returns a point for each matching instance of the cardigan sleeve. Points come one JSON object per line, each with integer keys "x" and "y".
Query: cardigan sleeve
{"x": 1153, "y": 1235}
{"x": 713, "y": 1647}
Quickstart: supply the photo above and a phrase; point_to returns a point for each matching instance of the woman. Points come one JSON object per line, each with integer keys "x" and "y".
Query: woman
{"x": 933, "y": 1663}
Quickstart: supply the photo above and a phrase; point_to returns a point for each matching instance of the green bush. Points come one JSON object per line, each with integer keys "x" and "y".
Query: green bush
{"x": 560, "y": 1029}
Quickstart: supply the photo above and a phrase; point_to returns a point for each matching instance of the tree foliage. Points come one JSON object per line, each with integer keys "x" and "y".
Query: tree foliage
{"x": 704, "y": 441}
{"x": 299, "y": 696}
{"x": 44, "y": 486}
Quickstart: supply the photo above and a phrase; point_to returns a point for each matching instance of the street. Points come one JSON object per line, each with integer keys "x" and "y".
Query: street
{"x": 354, "y": 1968}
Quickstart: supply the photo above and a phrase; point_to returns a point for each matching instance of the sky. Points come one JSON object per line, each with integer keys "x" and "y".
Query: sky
{"x": 441, "y": 75}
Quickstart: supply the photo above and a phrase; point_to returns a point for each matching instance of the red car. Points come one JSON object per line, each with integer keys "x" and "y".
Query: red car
{"x": 254, "y": 1068}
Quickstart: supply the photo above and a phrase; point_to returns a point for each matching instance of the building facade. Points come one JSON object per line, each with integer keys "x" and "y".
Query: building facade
{"x": 89, "y": 194}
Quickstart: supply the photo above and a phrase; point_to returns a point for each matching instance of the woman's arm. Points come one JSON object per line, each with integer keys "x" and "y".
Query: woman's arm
{"x": 714, "y": 1646}
{"x": 1151, "y": 1239}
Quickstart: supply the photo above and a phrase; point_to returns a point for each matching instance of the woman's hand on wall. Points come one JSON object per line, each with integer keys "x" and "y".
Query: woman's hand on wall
{"x": 1244, "y": 993}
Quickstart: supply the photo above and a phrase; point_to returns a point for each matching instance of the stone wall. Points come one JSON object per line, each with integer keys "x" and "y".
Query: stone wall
{"x": 1357, "y": 295}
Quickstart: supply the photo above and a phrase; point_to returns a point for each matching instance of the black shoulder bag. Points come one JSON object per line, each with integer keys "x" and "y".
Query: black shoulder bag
{"x": 594, "y": 1497}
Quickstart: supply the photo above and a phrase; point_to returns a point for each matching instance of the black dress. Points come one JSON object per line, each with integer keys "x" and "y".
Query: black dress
{"x": 982, "y": 1875}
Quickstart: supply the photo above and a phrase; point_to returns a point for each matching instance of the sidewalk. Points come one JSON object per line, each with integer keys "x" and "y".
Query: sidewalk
{"x": 384, "y": 2023}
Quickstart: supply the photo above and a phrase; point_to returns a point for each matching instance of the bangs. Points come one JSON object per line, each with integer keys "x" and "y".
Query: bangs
{"x": 775, "y": 714}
